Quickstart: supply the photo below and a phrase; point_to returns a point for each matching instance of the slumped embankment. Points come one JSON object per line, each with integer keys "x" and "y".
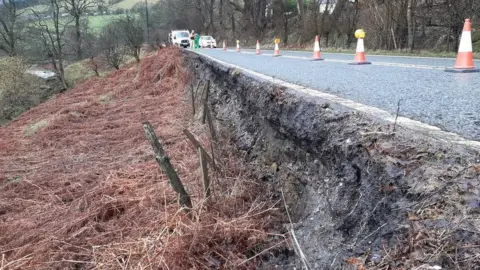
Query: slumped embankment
{"x": 359, "y": 194}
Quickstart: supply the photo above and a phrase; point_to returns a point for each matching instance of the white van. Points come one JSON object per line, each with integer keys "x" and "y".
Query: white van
{"x": 180, "y": 38}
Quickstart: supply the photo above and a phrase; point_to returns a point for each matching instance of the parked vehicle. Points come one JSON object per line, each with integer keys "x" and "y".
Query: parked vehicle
{"x": 207, "y": 42}
{"x": 180, "y": 38}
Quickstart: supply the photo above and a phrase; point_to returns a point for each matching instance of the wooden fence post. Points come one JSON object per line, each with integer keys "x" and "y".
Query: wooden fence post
{"x": 204, "y": 167}
{"x": 213, "y": 133}
{"x": 164, "y": 162}
{"x": 197, "y": 145}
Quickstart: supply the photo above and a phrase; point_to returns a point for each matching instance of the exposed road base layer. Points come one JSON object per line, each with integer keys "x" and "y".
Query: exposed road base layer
{"x": 360, "y": 195}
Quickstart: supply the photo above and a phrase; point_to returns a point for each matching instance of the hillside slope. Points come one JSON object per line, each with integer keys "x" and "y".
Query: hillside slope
{"x": 80, "y": 188}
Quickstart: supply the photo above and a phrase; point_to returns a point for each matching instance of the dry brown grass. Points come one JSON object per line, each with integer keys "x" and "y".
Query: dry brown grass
{"x": 85, "y": 192}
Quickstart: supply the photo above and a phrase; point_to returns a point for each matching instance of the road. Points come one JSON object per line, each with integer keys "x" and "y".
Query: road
{"x": 428, "y": 94}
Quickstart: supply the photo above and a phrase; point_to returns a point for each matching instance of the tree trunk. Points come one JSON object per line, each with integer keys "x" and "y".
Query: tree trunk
{"x": 410, "y": 25}
{"x": 285, "y": 29}
{"x": 220, "y": 13}
{"x": 12, "y": 50}
{"x": 322, "y": 21}
{"x": 78, "y": 39}
{"x": 12, "y": 31}
{"x": 232, "y": 21}
{"x": 262, "y": 19}
{"x": 316, "y": 11}
{"x": 301, "y": 19}
{"x": 147, "y": 22}
{"x": 210, "y": 15}
{"x": 352, "y": 26}
{"x": 8, "y": 27}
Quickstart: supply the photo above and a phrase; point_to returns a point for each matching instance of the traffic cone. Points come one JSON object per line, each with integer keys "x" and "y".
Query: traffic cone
{"x": 360, "y": 54}
{"x": 276, "y": 52}
{"x": 464, "y": 63}
{"x": 316, "y": 50}
{"x": 224, "y": 46}
{"x": 258, "y": 47}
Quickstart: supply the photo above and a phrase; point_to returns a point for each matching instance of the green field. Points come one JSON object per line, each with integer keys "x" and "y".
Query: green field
{"x": 128, "y": 4}
{"x": 37, "y": 8}
{"x": 96, "y": 23}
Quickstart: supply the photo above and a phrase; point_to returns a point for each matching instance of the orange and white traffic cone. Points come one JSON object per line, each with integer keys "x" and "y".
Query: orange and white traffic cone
{"x": 317, "y": 55}
{"x": 464, "y": 63}
{"x": 276, "y": 52}
{"x": 224, "y": 45}
{"x": 238, "y": 46}
{"x": 360, "y": 54}
{"x": 258, "y": 48}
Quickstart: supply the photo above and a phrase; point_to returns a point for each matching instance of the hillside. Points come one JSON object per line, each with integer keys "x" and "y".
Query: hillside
{"x": 80, "y": 188}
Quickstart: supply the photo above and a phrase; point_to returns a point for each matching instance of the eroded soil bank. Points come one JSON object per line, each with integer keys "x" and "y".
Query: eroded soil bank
{"x": 360, "y": 196}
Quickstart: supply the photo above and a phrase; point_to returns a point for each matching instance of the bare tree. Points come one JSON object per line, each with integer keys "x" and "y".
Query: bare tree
{"x": 110, "y": 46}
{"x": 52, "y": 38}
{"x": 253, "y": 16}
{"x": 390, "y": 24}
{"x": 132, "y": 34}
{"x": 77, "y": 8}
{"x": 457, "y": 11}
{"x": 9, "y": 27}
{"x": 91, "y": 51}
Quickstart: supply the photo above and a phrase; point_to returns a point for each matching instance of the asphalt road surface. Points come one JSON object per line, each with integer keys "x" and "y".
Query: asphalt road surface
{"x": 450, "y": 101}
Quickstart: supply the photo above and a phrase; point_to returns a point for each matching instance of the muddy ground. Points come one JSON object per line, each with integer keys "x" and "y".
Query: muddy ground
{"x": 360, "y": 196}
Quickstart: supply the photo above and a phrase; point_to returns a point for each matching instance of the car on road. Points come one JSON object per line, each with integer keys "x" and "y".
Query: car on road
{"x": 207, "y": 42}
{"x": 180, "y": 38}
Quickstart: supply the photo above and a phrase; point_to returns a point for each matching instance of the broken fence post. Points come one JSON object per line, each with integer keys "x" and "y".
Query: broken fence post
{"x": 164, "y": 162}
{"x": 210, "y": 124}
{"x": 197, "y": 145}
{"x": 204, "y": 167}
{"x": 213, "y": 134}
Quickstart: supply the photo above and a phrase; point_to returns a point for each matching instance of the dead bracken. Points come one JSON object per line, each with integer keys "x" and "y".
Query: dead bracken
{"x": 85, "y": 192}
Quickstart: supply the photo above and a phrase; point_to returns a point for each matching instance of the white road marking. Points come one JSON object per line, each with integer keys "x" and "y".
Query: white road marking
{"x": 387, "y": 64}
{"x": 379, "y": 55}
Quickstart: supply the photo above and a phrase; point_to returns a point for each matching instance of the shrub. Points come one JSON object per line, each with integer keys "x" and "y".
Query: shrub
{"x": 78, "y": 72}
{"x": 20, "y": 91}
{"x": 16, "y": 88}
